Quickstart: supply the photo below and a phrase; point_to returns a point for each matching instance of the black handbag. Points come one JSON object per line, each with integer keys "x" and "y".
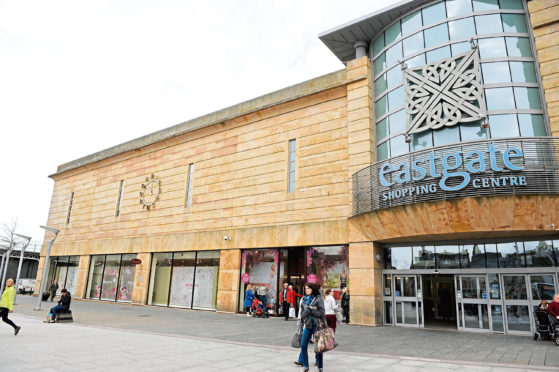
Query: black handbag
{"x": 296, "y": 340}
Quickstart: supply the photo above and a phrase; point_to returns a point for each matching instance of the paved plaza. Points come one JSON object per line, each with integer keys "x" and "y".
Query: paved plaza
{"x": 122, "y": 337}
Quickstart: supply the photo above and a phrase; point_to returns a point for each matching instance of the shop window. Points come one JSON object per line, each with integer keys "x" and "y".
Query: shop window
{"x": 514, "y": 23}
{"x": 411, "y": 23}
{"x": 434, "y": 13}
{"x": 205, "y": 280}
{"x": 126, "y": 278}
{"x": 527, "y": 98}
{"x": 413, "y": 44}
{"x": 109, "y": 284}
{"x": 481, "y": 5}
{"x": 531, "y": 125}
{"x": 424, "y": 257}
{"x": 461, "y": 28}
{"x": 392, "y": 33}
{"x": 394, "y": 54}
{"x": 182, "y": 278}
{"x": 523, "y": 72}
{"x": 472, "y": 256}
{"x": 492, "y": 47}
{"x": 458, "y": 7}
{"x": 518, "y": 47}
{"x": 95, "y": 276}
{"x": 159, "y": 279}
{"x": 539, "y": 253}
{"x": 64, "y": 270}
{"x": 436, "y": 35}
{"x": 488, "y": 24}
{"x": 511, "y": 255}
{"x": 503, "y": 126}
{"x": 331, "y": 267}
{"x": 495, "y": 72}
{"x": 259, "y": 267}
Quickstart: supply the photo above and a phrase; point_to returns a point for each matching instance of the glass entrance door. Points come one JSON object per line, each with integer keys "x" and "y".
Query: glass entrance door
{"x": 408, "y": 301}
{"x": 516, "y": 304}
{"x": 472, "y": 303}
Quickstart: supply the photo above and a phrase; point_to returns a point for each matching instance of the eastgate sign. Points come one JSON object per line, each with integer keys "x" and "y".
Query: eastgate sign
{"x": 475, "y": 161}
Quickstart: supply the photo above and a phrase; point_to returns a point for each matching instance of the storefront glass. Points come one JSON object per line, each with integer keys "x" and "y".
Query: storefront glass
{"x": 259, "y": 268}
{"x": 126, "y": 280}
{"x": 182, "y": 278}
{"x": 207, "y": 272}
{"x": 64, "y": 269}
{"x": 95, "y": 276}
{"x": 330, "y": 265}
{"x": 159, "y": 279}
{"x": 109, "y": 275}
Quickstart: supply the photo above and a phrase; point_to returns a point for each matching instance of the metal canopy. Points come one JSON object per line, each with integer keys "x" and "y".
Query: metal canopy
{"x": 340, "y": 39}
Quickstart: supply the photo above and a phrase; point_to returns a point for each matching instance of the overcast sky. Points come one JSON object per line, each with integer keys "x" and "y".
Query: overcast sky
{"x": 77, "y": 77}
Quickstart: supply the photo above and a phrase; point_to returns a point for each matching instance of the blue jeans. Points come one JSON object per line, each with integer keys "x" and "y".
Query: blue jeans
{"x": 54, "y": 310}
{"x": 303, "y": 355}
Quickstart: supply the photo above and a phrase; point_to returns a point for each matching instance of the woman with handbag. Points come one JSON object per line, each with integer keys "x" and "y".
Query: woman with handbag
{"x": 345, "y": 303}
{"x": 330, "y": 308}
{"x": 312, "y": 313}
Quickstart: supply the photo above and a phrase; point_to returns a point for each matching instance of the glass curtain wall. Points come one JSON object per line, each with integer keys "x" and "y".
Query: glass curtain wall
{"x": 64, "y": 269}
{"x": 184, "y": 279}
{"x": 111, "y": 277}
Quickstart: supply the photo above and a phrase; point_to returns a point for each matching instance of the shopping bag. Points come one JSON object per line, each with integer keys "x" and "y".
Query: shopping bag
{"x": 292, "y": 312}
{"x": 339, "y": 315}
{"x": 324, "y": 339}
{"x": 296, "y": 340}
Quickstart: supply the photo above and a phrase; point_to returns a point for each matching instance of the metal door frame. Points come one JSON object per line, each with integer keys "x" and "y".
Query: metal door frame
{"x": 526, "y": 302}
{"x": 481, "y": 301}
{"x": 418, "y": 299}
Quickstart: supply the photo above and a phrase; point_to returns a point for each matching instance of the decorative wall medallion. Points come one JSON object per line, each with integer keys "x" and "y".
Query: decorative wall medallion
{"x": 445, "y": 93}
{"x": 149, "y": 194}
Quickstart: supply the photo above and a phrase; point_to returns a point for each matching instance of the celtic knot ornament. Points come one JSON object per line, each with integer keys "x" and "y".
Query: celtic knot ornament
{"x": 445, "y": 93}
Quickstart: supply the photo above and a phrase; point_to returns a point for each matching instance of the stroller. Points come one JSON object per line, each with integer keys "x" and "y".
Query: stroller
{"x": 545, "y": 327}
{"x": 258, "y": 310}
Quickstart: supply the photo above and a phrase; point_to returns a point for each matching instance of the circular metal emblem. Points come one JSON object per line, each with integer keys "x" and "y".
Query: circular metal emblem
{"x": 149, "y": 193}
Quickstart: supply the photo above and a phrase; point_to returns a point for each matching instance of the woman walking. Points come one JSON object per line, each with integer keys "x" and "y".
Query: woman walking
{"x": 7, "y": 304}
{"x": 330, "y": 308}
{"x": 345, "y": 304}
{"x": 312, "y": 311}
{"x": 249, "y": 297}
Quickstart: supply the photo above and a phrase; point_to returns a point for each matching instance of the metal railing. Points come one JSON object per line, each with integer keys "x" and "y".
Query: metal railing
{"x": 539, "y": 173}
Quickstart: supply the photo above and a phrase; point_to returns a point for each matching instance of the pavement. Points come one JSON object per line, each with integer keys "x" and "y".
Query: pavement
{"x": 112, "y": 336}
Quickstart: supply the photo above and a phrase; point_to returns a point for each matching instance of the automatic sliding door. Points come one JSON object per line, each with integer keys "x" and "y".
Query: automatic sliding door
{"x": 408, "y": 301}
{"x": 472, "y": 303}
{"x": 516, "y": 304}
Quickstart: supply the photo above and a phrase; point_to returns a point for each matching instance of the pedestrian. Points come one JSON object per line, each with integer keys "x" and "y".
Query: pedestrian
{"x": 284, "y": 303}
{"x": 553, "y": 308}
{"x": 543, "y": 305}
{"x": 345, "y": 304}
{"x": 312, "y": 312}
{"x": 63, "y": 305}
{"x": 292, "y": 298}
{"x": 7, "y": 304}
{"x": 52, "y": 289}
{"x": 330, "y": 308}
{"x": 249, "y": 297}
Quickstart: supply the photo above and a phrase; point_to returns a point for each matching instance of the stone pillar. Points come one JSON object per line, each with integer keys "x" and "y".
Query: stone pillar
{"x": 141, "y": 279}
{"x": 39, "y": 275}
{"x": 365, "y": 284}
{"x": 228, "y": 283}
{"x": 83, "y": 273}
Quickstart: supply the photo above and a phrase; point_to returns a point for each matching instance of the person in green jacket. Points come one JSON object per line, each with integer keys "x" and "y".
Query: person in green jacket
{"x": 7, "y": 304}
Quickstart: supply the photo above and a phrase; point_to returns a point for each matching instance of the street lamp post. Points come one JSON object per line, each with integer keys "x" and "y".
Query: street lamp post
{"x": 46, "y": 266}
{"x": 21, "y": 254}
{"x": 6, "y": 263}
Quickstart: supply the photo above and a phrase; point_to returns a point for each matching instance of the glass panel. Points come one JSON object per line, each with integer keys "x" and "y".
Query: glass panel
{"x": 480, "y": 5}
{"x": 475, "y": 316}
{"x": 531, "y": 125}
{"x": 436, "y": 35}
{"x": 72, "y": 274}
{"x": 473, "y": 287}
{"x": 494, "y": 287}
{"x": 413, "y": 44}
{"x": 499, "y": 99}
{"x": 523, "y": 72}
{"x": 398, "y": 119}
{"x": 433, "y": 13}
{"x": 472, "y": 256}
{"x": 539, "y": 253}
{"x": 556, "y": 251}
{"x": 159, "y": 279}
{"x": 182, "y": 279}
{"x": 495, "y": 72}
{"x": 460, "y": 48}
{"x": 515, "y": 287}
{"x": 458, "y": 7}
{"x": 424, "y": 257}
{"x": 488, "y": 24}
{"x": 491, "y": 256}
{"x": 398, "y": 146}
{"x": 422, "y": 140}
{"x": 511, "y": 255}
{"x": 409, "y": 286}
{"x": 503, "y": 126}
{"x": 527, "y": 98}
{"x": 514, "y": 23}
{"x": 378, "y": 44}
{"x": 518, "y": 318}
{"x": 95, "y": 275}
{"x": 462, "y": 28}
{"x": 381, "y": 107}
{"x": 395, "y": 100}
{"x": 399, "y": 312}
{"x": 331, "y": 266}
{"x": 411, "y": 22}
{"x": 511, "y": 4}
{"x": 518, "y": 47}
{"x": 260, "y": 265}
{"x": 416, "y": 61}
{"x": 448, "y": 257}
{"x": 392, "y": 33}
{"x": 387, "y": 285}
{"x": 380, "y": 85}
{"x": 382, "y": 129}
{"x": 388, "y": 312}
{"x": 401, "y": 258}
{"x": 110, "y": 277}
{"x": 446, "y": 135}
{"x": 380, "y": 63}
{"x": 126, "y": 278}
{"x": 382, "y": 151}
{"x": 497, "y": 317}
{"x": 492, "y": 47}
{"x": 393, "y": 54}
{"x": 472, "y": 131}
{"x": 410, "y": 313}
{"x": 394, "y": 77}
{"x": 460, "y": 322}
{"x": 205, "y": 286}
{"x": 438, "y": 54}
{"x": 542, "y": 287}
{"x": 62, "y": 270}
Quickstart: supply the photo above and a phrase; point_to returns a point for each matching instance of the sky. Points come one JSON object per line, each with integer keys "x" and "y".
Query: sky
{"x": 77, "y": 77}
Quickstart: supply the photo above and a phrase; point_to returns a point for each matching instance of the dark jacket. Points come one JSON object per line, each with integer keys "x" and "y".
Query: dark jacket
{"x": 345, "y": 300}
{"x": 53, "y": 287}
{"x": 313, "y": 312}
{"x": 65, "y": 301}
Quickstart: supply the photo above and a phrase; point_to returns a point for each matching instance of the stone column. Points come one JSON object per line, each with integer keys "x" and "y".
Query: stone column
{"x": 40, "y": 268}
{"x": 141, "y": 279}
{"x": 83, "y": 273}
{"x": 228, "y": 283}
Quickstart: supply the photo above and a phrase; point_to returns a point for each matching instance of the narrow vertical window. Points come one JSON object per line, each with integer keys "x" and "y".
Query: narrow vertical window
{"x": 70, "y": 208}
{"x": 189, "y": 178}
{"x": 291, "y": 174}
{"x": 120, "y": 192}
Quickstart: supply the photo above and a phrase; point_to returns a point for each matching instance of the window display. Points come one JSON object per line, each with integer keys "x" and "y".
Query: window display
{"x": 331, "y": 267}
{"x": 111, "y": 277}
{"x": 261, "y": 266}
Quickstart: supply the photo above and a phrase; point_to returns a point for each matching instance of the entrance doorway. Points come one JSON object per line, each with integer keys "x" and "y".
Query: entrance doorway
{"x": 295, "y": 273}
{"x": 439, "y": 301}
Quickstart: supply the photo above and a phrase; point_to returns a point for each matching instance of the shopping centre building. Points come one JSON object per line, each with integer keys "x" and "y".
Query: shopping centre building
{"x": 423, "y": 176}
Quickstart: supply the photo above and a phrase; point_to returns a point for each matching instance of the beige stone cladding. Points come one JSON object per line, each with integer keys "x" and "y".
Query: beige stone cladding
{"x": 544, "y": 16}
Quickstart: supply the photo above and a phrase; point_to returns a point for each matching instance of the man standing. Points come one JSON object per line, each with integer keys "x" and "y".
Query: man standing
{"x": 553, "y": 308}
{"x": 292, "y": 298}
{"x": 283, "y": 301}
{"x": 63, "y": 304}
{"x": 7, "y": 304}
{"x": 52, "y": 289}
